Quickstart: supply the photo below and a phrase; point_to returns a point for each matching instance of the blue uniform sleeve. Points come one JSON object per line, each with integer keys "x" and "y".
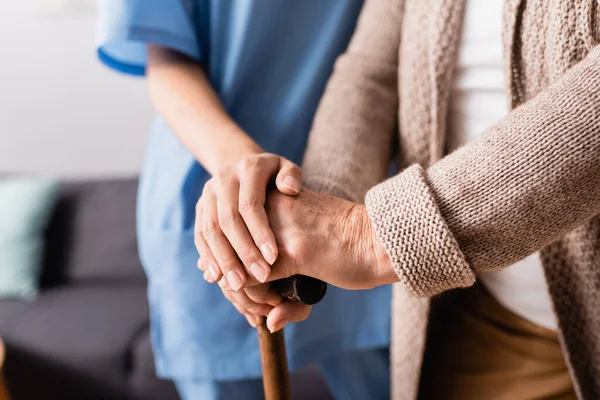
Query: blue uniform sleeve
{"x": 126, "y": 27}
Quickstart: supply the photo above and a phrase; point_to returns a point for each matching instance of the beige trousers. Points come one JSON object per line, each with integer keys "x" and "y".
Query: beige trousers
{"x": 490, "y": 353}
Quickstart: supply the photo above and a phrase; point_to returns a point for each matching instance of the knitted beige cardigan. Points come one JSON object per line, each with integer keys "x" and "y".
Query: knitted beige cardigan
{"x": 531, "y": 182}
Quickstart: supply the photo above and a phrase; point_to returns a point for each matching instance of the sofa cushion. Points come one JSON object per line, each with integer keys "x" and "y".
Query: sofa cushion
{"x": 10, "y": 310}
{"x": 26, "y": 204}
{"x": 92, "y": 232}
{"x": 90, "y": 328}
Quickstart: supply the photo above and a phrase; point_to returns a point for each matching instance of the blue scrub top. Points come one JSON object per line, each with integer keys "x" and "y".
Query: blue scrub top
{"x": 269, "y": 61}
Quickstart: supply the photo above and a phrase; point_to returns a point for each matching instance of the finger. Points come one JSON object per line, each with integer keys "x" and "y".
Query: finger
{"x": 283, "y": 268}
{"x": 289, "y": 178}
{"x": 252, "y": 197}
{"x": 253, "y": 320}
{"x": 241, "y": 299}
{"x": 198, "y": 234}
{"x": 206, "y": 261}
{"x": 263, "y": 294}
{"x": 224, "y": 255}
{"x": 235, "y": 230}
{"x": 285, "y": 313}
{"x": 223, "y": 284}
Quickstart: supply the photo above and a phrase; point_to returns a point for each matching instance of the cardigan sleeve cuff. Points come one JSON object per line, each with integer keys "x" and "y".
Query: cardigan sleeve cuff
{"x": 423, "y": 250}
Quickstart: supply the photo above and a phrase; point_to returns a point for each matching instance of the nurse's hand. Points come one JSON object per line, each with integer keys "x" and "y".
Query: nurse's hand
{"x": 258, "y": 301}
{"x": 255, "y": 302}
{"x": 232, "y": 233}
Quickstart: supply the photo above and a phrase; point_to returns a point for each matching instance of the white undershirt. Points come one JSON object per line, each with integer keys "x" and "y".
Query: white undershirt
{"x": 478, "y": 101}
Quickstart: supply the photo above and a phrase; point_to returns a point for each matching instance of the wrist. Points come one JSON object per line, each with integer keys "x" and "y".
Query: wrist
{"x": 371, "y": 251}
{"x": 241, "y": 146}
{"x": 234, "y": 146}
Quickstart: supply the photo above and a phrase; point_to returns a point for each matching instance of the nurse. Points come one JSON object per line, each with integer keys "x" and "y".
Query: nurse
{"x": 235, "y": 81}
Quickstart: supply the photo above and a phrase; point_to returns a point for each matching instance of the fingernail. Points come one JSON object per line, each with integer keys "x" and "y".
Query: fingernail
{"x": 234, "y": 279}
{"x": 292, "y": 183}
{"x": 223, "y": 284}
{"x": 268, "y": 253}
{"x": 278, "y": 325}
{"x": 213, "y": 271}
{"x": 259, "y": 272}
{"x": 206, "y": 277}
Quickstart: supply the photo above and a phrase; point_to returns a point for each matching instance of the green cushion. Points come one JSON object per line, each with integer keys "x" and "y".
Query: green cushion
{"x": 25, "y": 208}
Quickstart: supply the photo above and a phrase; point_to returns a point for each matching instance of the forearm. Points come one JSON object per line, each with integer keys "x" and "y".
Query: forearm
{"x": 183, "y": 95}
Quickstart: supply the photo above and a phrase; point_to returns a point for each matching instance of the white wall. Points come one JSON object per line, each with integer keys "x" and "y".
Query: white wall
{"x": 61, "y": 111}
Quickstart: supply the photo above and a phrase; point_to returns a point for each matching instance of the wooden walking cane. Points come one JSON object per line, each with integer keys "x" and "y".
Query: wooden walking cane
{"x": 276, "y": 379}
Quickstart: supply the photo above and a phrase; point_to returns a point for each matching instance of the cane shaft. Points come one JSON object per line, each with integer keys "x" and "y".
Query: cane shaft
{"x": 276, "y": 379}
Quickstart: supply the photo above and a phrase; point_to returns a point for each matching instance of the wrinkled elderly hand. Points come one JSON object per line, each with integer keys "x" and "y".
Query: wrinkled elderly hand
{"x": 327, "y": 238}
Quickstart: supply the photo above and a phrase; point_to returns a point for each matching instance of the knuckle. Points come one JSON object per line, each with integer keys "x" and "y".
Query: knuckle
{"x": 269, "y": 157}
{"x": 266, "y": 161}
{"x": 228, "y": 263}
{"x": 247, "y": 253}
{"x": 222, "y": 176}
{"x": 249, "y": 162}
{"x": 210, "y": 228}
{"x": 228, "y": 218}
{"x": 249, "y": 207}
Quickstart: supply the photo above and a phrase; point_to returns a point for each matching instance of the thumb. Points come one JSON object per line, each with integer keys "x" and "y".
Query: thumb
{"x": 283, "y": 268}
{"x": 285, "y": 313}
{"x": 289, "y": 178}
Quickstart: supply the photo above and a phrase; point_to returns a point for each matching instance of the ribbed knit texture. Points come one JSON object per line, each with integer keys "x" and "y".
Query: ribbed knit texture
{"x": 531, "y": 182}
{"x": 415, "y": 235}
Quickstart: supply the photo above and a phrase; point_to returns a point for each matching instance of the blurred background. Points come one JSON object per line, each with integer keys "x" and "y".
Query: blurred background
{"x": 74, "y": 318}
{"x": 73, "y": 309}
{"x": 63, "y": 112}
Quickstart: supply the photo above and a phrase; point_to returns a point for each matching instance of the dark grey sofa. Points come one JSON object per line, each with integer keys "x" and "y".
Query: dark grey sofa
{"x": 86, "y": 336}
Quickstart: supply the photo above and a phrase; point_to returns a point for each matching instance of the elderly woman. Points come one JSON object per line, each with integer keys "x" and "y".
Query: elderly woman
{"x": 515, "y": 207}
